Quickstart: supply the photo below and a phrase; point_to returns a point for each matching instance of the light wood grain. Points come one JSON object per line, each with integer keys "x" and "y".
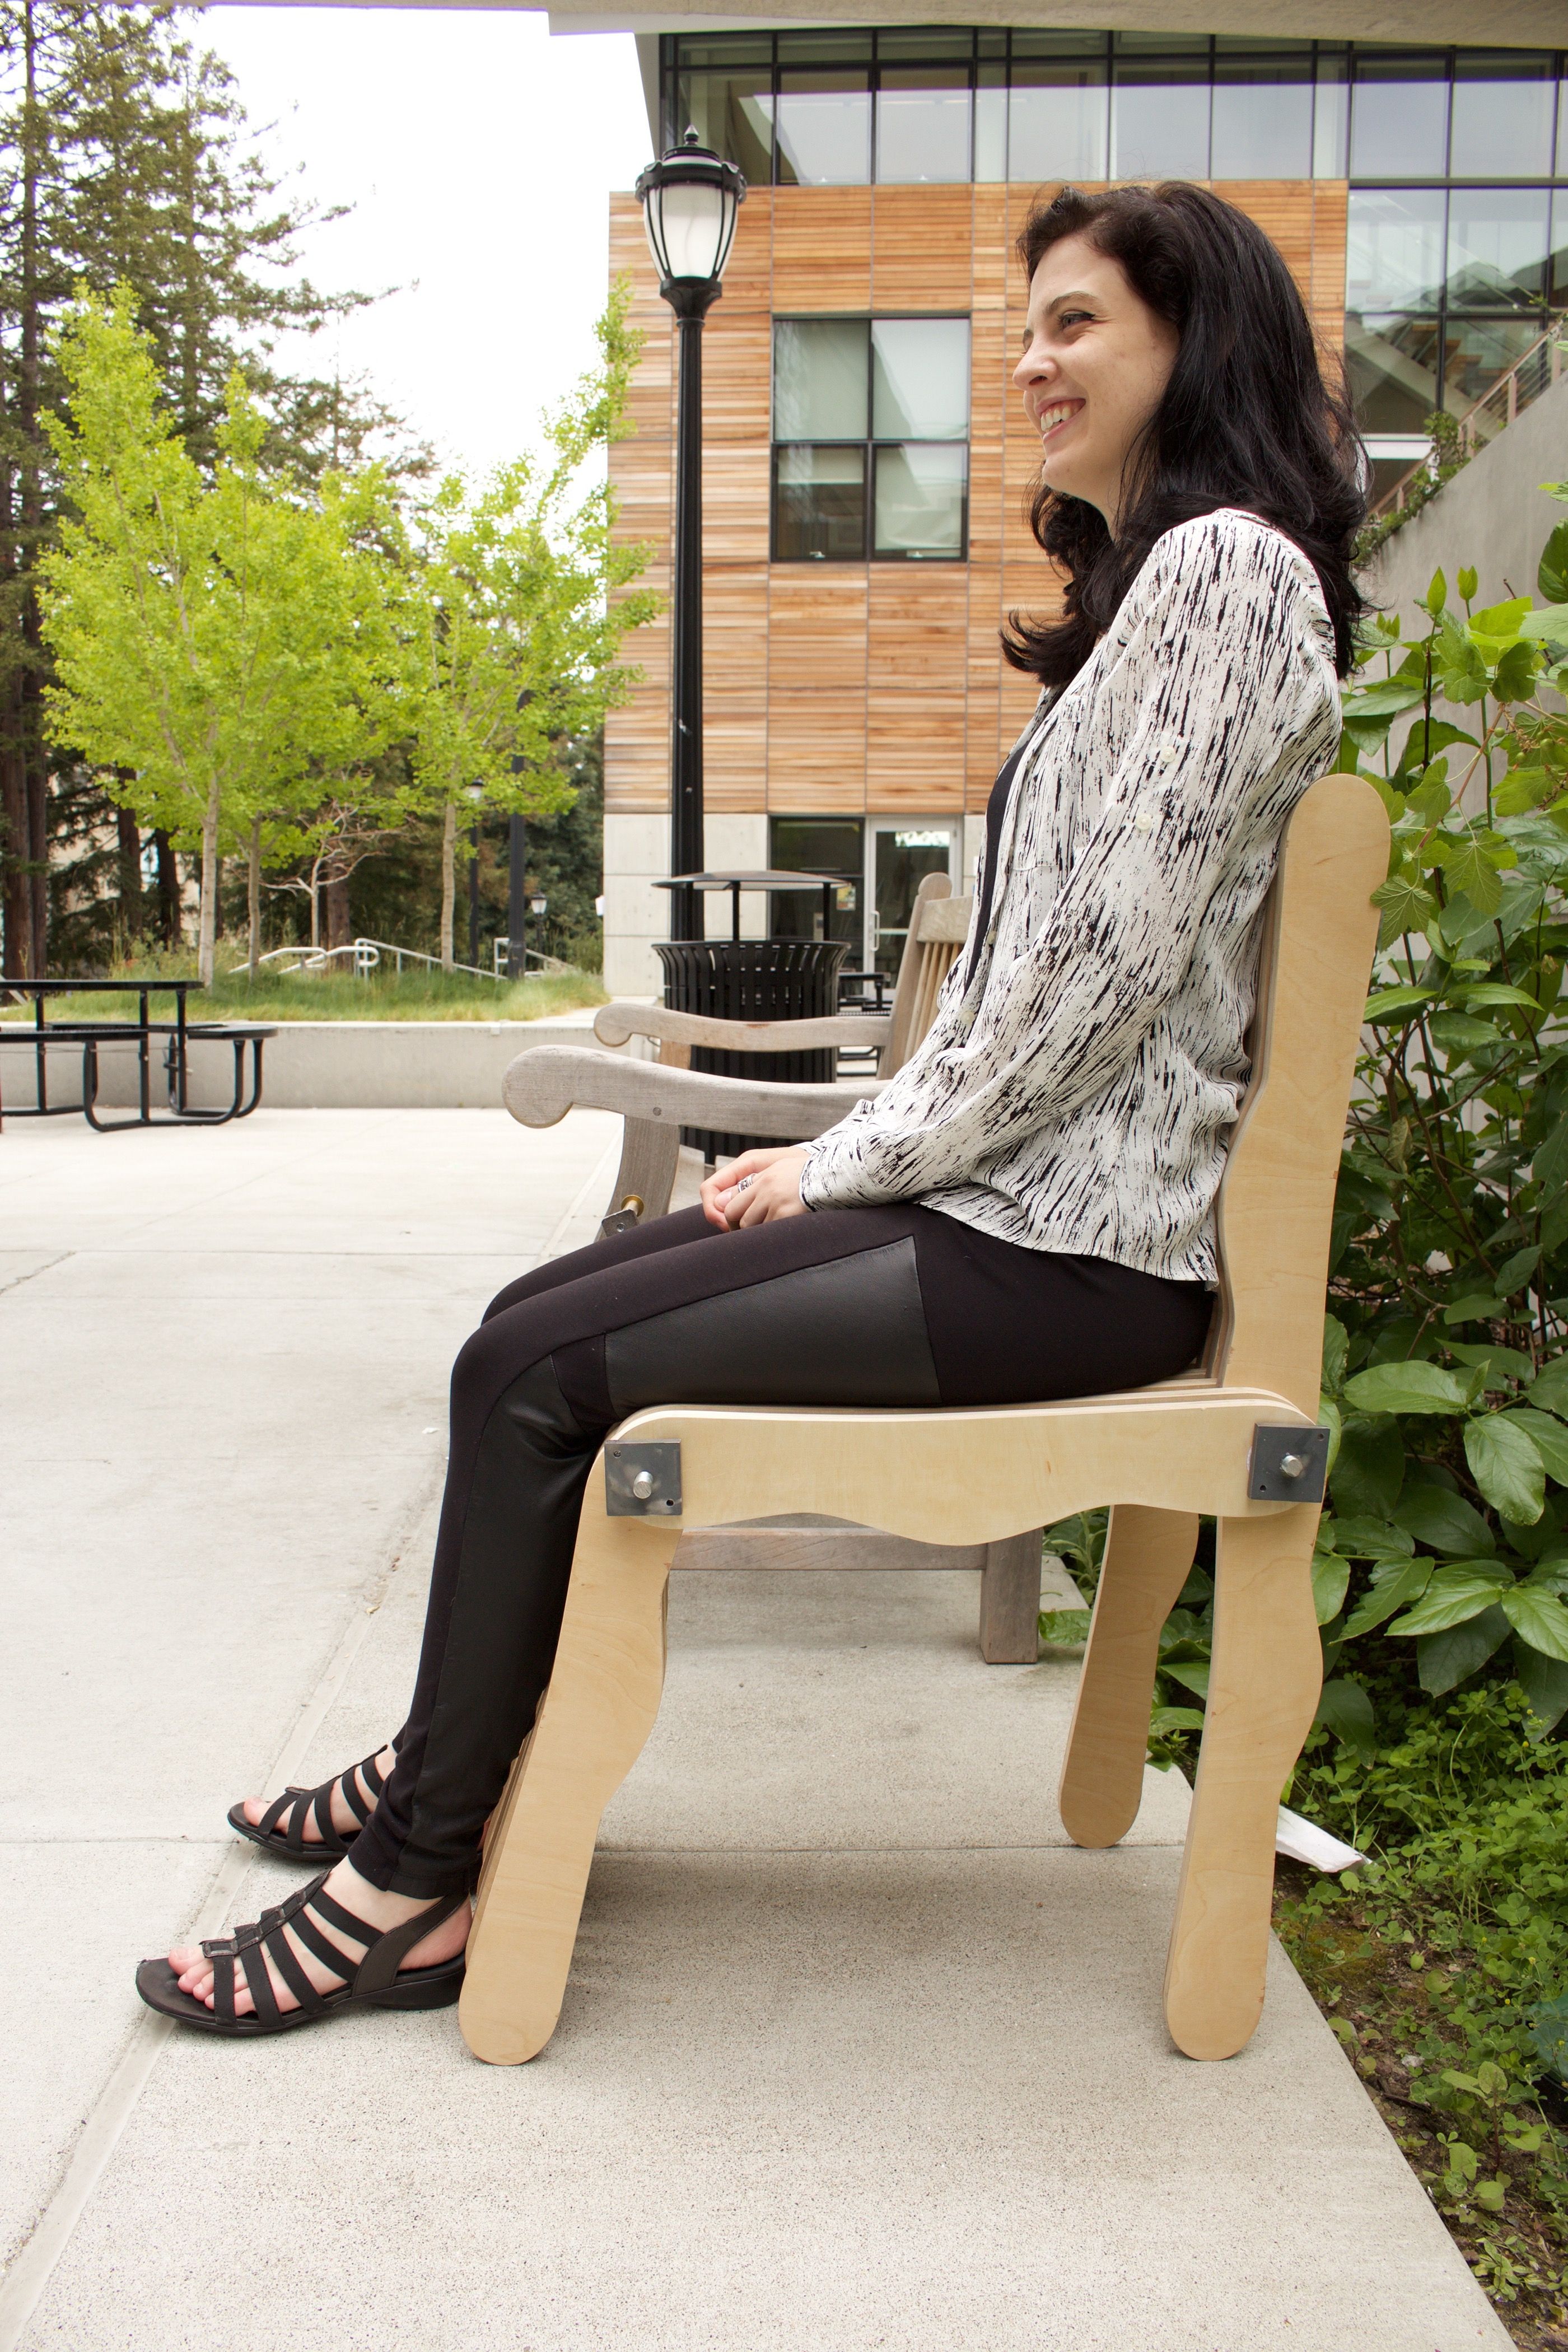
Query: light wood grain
{"x": 1264, "y": 1682}
{"x": 615, "y": 1024}
{"x": 547, "y": 1081}
{"x": 1148, "y": 1555}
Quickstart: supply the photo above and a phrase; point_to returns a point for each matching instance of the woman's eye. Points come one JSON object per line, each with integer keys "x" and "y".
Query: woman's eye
{"x": 1075, "y": 317}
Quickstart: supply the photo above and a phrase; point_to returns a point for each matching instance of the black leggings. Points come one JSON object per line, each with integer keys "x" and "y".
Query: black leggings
{"x": 854, "y": 1306}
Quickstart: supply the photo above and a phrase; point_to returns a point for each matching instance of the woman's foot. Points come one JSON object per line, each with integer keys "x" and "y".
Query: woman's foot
{"x": 378, "y": 1911}
{"x": 321, "y": 1823}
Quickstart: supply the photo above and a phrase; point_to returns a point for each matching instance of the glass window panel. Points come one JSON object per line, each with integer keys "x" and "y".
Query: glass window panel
{"x": 820, "y": 379}
{"x": 824, "y": 49}
{"x": 1165, "y": 44}
{"x": 1503, "y": 111}
{"x": 1497, "y": 247}
{"x": 820, "y": 506}
{"x": 920, "y": 379}
{"x": 1392, "y": 365}
{"x": 1160, "y": 121}
{"x": 1562, "y": 128}
{"x": 817, "y": 844}
{"x": 922, "y": 496}
{"x": 1394, "y": 250}
{"x": 904, "y": 855}
{"x": 1477, "y": 351}
{"x": 1559, "y": 297}
{"x": 731, "y": 113}
{"x": 1058, "y": 121}
{"x": 755, "y": 49}
{"x": 991, "y": 123}
{"x": 922, "y": 125}
{"x": 1399, "y": 119}
{"x": 925, "y": 48}
{"x": 1058, "y": 45}
{"x": 1263, "y": 119}
{"x": 824, "y": 130}
{"x": 1331, "y": 117}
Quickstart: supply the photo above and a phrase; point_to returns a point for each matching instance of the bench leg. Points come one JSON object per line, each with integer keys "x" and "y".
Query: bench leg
{"x": 1148, "y": 1556}
{"x": 600, "y": 1706}
{"x": 1010, "y": 1601}
{"x": 1263, "y": 1693}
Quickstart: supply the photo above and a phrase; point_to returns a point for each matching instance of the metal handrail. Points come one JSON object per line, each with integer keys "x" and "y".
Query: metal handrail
{"x": 1535, "y": 372}
{"x": 367, "y": 954}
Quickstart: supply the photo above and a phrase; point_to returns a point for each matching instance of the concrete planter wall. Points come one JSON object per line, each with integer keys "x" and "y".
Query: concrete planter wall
{"x": 318, "y": 1065}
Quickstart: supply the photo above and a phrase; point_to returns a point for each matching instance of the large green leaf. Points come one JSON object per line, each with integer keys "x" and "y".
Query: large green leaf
{"x": 1336, "y": 1345}
{"x": 1371, "y": 1467}
{"x": 1382, "y": 701}
{"x": 1550, "y": 1162}
{"x": 1345, "y": 1708}
{"x": 1538, "y": 1619}
{"x": 1455, "y": 1593}
{"x": 1549, "y": 1389}
{"x": 1364, "y": 1539}
{"x": 1547, "y": 1435}
{"x": 1495, "y": 992}
{"x": 1387, "y": 1004}
{"x": 1330, "y": 1576}
{"x": 1548, "y": 623}
{"x": 1552, "y": 572}
{"x": 1506, "y": 1465}
{"x": 1192, "y": 1673}
{"x": 1443, "y": 1522}
{"x": 1544, "y": 1682}
{"x": 1405, "y": 1388}
{"x": 1393, "y": 1585}
{"x": 1443, "y": 1659}
{"x": 1457, "y": 1033}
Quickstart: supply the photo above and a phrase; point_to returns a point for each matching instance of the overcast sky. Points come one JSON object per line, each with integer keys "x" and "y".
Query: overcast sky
{"x": 478, "y": 154}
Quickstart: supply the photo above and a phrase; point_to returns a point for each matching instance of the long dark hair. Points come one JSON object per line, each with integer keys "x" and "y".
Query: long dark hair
{"x": 1247, "y": 419}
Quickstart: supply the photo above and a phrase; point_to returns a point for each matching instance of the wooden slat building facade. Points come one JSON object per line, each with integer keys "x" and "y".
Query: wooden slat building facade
{"x": 853, "y": 689}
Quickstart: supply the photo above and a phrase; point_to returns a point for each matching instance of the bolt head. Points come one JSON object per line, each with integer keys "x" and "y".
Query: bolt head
{"x": 1292, "y": 1465}
{"x": 642, "y": 1484}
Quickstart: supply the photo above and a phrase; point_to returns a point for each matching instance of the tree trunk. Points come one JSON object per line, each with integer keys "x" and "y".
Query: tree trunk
{"x": 34, "y": 842}
{"x": 207, "y": 934}
{"x": 17, "y": 895}
{"x": 35, "y": 757}
{"x": 339, "y": 923}
{"x": 448, "y": 882}
{"x": 130, "y": 875}
{"x": 253, "y": 897}
{"x": 170, "y": 916}
{"x": 316, "y": 903}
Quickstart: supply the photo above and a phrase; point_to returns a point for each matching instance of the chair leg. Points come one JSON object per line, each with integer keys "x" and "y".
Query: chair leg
{"x": 1010, "y": 1601}
{"x": 600, "y": 1706}
{"x": 1263, "y": 1693}
{"x": 1148, "y": 1555}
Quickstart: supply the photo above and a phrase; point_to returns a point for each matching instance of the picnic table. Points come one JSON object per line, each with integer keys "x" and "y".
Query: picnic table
{"x": 180, "y": 1034}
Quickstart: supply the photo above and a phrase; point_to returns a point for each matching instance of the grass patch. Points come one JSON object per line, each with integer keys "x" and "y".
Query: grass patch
{"x": 418, "y": 993}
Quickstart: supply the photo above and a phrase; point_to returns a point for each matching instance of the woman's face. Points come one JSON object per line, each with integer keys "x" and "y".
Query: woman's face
{"x": 1096, "y": 360}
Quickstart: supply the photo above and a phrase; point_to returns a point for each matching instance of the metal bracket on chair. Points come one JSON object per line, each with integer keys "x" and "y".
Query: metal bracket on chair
{"x": 642, "y": 1482}
{"x": 1288, "y": 1464}
{"x": 622, "y": 1220}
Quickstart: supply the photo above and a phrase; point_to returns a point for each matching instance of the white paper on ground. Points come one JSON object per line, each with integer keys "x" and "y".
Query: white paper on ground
{"x": 1305, "y": 1841}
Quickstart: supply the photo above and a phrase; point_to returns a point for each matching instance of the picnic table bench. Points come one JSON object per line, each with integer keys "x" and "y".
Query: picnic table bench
{"x": 179, "y": 1035}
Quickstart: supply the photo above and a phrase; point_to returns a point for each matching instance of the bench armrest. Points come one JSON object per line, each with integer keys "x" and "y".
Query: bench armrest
{"x": 613, "y": 1023}
{"x": 547, "y": 1081}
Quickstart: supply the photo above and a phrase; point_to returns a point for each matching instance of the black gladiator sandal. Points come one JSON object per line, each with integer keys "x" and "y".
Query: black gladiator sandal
{"x": 239, "y": 1964}
{"x": 282, "y": 1829}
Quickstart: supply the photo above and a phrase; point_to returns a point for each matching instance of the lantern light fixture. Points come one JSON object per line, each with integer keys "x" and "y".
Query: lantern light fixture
{"x": 690, "y": 199}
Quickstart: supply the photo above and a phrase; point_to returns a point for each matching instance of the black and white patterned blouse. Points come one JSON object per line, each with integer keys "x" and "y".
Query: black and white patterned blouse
{"x": 1076, "y": 1089}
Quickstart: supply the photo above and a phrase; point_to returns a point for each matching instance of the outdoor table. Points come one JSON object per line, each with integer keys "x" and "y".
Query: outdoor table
{"x": 89, "y": 1034}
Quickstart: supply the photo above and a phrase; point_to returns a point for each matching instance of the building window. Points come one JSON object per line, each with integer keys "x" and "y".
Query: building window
{"x": 870, "y": 440}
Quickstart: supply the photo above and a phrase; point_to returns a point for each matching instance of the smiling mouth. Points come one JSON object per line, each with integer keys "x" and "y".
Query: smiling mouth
{"x": 1060, "y": 413}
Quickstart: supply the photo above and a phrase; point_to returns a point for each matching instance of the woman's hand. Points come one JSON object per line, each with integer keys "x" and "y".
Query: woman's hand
{"x": 756, "y": 1187}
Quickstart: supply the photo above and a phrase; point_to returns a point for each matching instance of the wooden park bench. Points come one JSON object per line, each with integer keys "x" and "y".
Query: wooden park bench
{"x": 1236, "y": 1438}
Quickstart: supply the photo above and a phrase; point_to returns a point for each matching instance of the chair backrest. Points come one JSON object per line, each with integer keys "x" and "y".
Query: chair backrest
{"x": 1276, "y": 1201}
{"x": 939, "y": 925}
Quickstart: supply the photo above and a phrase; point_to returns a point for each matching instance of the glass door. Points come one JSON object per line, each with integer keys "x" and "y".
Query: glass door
{"x": 899, "y": 856}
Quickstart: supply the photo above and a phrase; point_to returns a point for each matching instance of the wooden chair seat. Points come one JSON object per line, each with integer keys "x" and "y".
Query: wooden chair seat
{"x": 1160, "y": 1456}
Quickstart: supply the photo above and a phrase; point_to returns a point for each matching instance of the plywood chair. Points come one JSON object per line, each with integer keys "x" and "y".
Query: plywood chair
{"x": 1237, "y": 1440}
{"x": 657, "y": 1100}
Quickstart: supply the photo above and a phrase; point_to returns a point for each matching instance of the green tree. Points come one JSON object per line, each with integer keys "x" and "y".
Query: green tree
{"x": 517, "y": 602}
{"x": 207, "y": 637}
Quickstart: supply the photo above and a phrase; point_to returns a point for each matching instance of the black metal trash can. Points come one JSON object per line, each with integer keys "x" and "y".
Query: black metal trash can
{"x": 752, "y": 979}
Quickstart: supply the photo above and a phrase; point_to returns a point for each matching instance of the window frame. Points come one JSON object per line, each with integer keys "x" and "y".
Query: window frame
{"x": 869, "y": 443}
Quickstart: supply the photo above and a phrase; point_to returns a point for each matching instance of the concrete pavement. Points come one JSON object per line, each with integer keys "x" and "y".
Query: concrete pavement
{"x": 857, "y": 2052}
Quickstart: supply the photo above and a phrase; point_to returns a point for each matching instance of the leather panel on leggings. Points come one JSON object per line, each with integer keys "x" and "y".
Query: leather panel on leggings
{"x": 763, "y": 1345}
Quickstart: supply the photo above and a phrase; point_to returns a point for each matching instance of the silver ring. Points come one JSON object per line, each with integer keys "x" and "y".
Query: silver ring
{"x": 744, "y": 1182}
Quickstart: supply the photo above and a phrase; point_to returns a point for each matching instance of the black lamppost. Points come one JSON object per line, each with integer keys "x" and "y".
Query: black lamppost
{"x": 690, "y": 199}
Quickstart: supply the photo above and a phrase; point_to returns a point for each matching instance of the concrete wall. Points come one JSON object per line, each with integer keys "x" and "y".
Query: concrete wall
{"x": 317, "y": 1065}
{"x": 1494, "y": 515}
{"x": 636, "y": 851}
